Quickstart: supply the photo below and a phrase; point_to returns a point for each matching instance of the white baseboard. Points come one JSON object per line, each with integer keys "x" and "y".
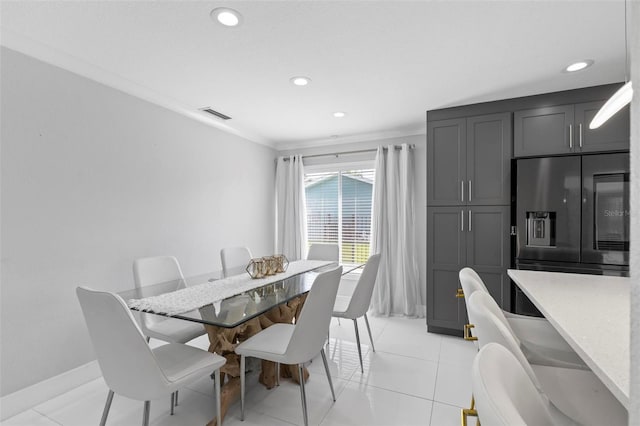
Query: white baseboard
{"x": 29, "y": 397}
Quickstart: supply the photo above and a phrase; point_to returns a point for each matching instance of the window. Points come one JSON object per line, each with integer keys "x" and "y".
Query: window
{"x": 339, "y": 211}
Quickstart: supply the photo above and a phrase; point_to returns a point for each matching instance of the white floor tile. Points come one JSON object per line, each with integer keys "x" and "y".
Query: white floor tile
{"x": 456, "y": 350}
{"x": 346, "y": 331}
{"x": 409, "y": 337}
{"x": 453, "y": 385}
{"x": 342, "y": 357}
{"x": 84, "y": 405}
{"x": 284, "y": 403}
{"x": 446, "y": 415}
{"x": 397, "y": 373}
{"x": 29, "y": 418}
{"x": 254, "y": 419}
{"x": 359, "y": 404}
{"x": 414, "y": 377}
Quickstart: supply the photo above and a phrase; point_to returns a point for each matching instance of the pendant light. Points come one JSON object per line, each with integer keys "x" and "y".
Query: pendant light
{"x": 623, "y": 96}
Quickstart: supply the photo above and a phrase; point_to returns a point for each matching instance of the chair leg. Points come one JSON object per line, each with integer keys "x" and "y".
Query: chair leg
{"x": 355, "y": 324}
{"x": 326, "y": 369}
{"x": 148, "y": 339}
{"x": 277, "y": 374}
{"x": 366, "y": 320}
{"x": 242, "y": 378}
{"x": 173, "y": 401}
{"x": 465, "y": 412}
{"x": 303, "y": 394}
{"x": 107, "y": 406}
{"x": 145, "y": 413}
{"x": 177, "y": 397}
{"x": 217, "y": 385}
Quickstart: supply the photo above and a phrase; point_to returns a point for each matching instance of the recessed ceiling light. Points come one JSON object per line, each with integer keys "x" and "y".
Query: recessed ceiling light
{"x": 339, "y": 114}
{"x": 300, "y": 80}
{"x": 580, "y": 65}
{"x": 225, "y": 16}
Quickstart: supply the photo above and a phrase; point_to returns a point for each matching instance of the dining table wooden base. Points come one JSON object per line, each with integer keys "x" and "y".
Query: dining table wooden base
{"x": 223, "y": 341}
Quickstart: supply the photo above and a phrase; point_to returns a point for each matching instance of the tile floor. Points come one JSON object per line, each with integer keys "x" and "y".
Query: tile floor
{"x": 413, "y": 378}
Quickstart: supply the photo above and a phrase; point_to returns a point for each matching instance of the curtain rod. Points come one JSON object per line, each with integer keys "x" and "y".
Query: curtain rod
{"x": 359, "y": 151}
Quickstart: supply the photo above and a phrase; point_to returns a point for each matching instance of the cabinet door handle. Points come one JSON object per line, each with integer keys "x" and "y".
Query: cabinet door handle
{"x": 469, "y": 220}
{"x": 462, "y": 220}
{"x": 570, "y": 136}
{"x": 580, "y": 134}
{"x": 462, "y": 190}
{"x": 469, "y": 190}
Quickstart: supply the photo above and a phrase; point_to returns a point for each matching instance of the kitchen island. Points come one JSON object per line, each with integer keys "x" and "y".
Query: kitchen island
{"x": 592, "y": 313}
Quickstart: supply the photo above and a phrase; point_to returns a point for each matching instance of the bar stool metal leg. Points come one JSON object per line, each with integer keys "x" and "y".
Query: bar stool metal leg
{"x": 145, "y": 413}
{"x": 466, "y": 412}
{"x": 107, "y": 407}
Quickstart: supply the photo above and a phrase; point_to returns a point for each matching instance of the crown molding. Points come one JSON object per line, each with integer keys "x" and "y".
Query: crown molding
{"x": 418, "y": 129}
{"x": 52, "y": 56}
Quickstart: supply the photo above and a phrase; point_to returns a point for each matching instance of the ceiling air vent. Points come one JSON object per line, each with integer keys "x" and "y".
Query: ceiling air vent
{"x": 216, "y": 113}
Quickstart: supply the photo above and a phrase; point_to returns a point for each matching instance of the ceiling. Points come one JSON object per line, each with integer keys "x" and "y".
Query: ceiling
{"x": 384, "y": 63}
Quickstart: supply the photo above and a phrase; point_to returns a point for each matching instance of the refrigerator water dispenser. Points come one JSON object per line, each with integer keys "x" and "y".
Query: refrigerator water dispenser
{"x": 541, "y": 229}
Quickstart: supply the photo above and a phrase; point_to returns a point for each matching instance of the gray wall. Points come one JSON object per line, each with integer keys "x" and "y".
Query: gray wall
{"x": 93, "y": 178}
{"x": 420, "y": 184}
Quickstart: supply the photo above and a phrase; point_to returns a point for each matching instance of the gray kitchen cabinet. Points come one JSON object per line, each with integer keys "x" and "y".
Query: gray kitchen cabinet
{"x": 474, "y": 236}
{"x": 446, "y": 253}
{"x": 446, "y": 162}
{"x": 564, "y": 129}
{"x": 468, "y": 160}
{"x": 488, "y": 247}
{"x": 611, "y": 136}
{"x": 543, "y": 131}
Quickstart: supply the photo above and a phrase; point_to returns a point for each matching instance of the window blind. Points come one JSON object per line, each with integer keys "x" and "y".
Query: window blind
{"x": 339, "y": 211}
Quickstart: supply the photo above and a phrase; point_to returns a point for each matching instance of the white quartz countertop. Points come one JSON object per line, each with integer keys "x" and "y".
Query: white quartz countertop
{"x": 592, "y": 312}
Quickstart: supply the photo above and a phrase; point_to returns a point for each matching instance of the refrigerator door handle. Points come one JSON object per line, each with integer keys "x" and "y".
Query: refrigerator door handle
{"x": 469, "y": 220}
{"x": 469, "y": 189}
{"x": 462, "y": 190}
{"x": 461, "y": 220}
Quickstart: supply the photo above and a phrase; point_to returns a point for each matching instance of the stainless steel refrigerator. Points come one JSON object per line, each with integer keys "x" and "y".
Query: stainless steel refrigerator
{"x": 572, "y": 215}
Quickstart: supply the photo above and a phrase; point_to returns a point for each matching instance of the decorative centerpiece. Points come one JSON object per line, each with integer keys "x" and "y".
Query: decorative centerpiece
{"x": 265, "y": 266}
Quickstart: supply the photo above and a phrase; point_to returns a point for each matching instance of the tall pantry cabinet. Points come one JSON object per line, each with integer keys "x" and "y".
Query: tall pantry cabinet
{"x": 468, "y": 213}
{"x": 470, "y": 150}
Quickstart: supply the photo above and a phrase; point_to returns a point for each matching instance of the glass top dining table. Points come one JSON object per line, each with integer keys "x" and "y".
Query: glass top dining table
{"x": 236, "y": 310}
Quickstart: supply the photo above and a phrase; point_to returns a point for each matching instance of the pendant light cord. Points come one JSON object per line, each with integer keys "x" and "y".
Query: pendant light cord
{"x": 626, "y": 46}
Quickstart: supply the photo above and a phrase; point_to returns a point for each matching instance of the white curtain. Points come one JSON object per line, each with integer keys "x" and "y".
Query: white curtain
{"x": 397, "y": 289}
{"x": 291, "y": 214}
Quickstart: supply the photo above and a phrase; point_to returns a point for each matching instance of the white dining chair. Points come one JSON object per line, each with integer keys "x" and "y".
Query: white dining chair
{"x": 234, "y": 260}
{"x": 159, "y": 269}
{"x": 299, "y": 343}
{"x": 579, "y": 394}
{"x": 506, "y": 395}
{"x": 539, "y": 341}
{"x": 357, "y": 304}
{"x": 129, "y": 366}
{"x": 323, "y": 251}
